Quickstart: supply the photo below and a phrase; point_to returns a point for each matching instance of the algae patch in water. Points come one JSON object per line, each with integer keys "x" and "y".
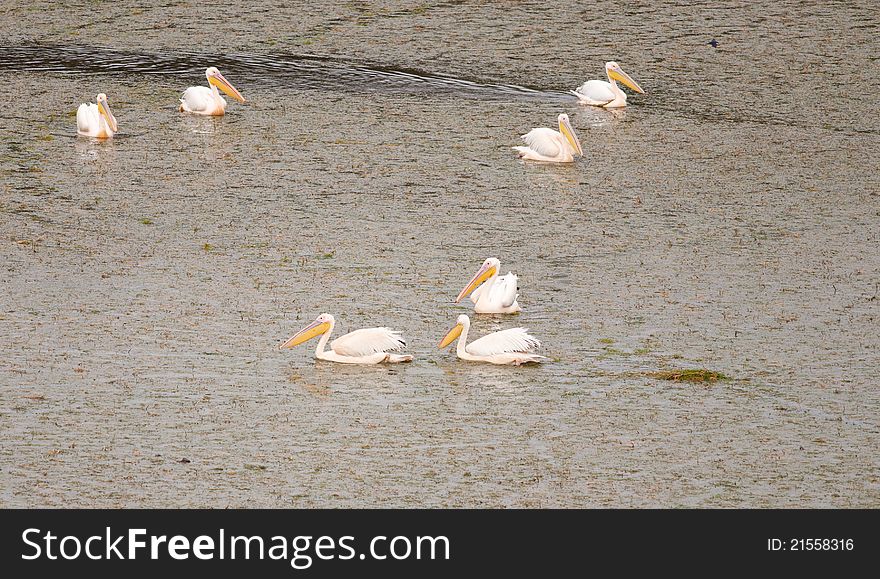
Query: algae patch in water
{"x": 696, "y": 376}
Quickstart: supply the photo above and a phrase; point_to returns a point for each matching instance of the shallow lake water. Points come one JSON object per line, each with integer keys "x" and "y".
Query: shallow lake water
{"x": 729, "y": 219}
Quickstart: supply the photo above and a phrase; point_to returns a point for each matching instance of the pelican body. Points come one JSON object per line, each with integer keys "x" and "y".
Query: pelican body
{"x": 512, "y": 347}
{"x": 206, "y": 100}
{"x": 96, "y": 120}
{"x": 491, "y": 293}
{"x": 367, "y": 346}
{"x": 545, "y": 144}
{"x": 607, "y": 94}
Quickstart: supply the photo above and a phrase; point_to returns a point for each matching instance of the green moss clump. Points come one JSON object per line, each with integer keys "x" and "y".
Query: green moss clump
{"x": 695, "y": 376}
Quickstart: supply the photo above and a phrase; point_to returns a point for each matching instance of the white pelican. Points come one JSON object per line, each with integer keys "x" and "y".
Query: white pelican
{"x": 96, "y": 120}
{"x": 554, "y": 146}
{"x": 206, "y": 100}
{"x": 491, "y": 293}
{"x": 513, "y": 346}
{"x": 367, "y": 346}
{"x": 607, "y": 94}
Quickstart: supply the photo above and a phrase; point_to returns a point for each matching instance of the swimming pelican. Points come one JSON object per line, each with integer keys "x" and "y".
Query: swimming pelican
{"x": 511, "y": 346}
{"x": 548, "y": 145}
{"x": 367, "y": 346}
{"x": 491, "y": 293}
{"x": 607, "y": 94}
{"x": 205, "y": 100}
{"x": 96, "y": 120}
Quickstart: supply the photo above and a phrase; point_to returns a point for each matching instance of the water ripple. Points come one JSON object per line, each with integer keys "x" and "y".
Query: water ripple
{"x": 297, "y": 71}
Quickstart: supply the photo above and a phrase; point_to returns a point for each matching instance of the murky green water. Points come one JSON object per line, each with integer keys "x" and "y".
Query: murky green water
{"x": 728, "y": 219}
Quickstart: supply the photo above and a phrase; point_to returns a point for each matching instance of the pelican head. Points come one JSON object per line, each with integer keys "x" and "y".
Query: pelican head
{"x": 489, "y": 268}
{"x": 320, "y": 326}
{"x": 614, "y": 72}
{"x": 461, "y": 323}
{"x": 566, "y": 129}
{"x": 216, "y": 79}
{"x": 104, "y": 109}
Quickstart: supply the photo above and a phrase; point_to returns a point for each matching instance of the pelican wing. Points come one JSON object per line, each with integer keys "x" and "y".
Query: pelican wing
{"x": 544, "y": 141}
{"x": 368, "y": 341}
{"x": 514, "y": 340}
{"x": 87, "y": 117}
{"x": 595, "y": 92}
{"x": 503, "y": 292}
{"x": 196, "y": 99}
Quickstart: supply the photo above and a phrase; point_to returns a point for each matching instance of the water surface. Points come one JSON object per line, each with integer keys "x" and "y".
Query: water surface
{"x": 728, "y": 219}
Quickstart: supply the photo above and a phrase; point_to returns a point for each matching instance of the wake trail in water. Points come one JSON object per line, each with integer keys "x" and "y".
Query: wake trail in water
{"x": 293, "y": 71}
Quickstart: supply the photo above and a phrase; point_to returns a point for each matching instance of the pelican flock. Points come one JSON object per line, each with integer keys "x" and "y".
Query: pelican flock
{"x": 490, "y": 292}
{"x": 607, "y": 94}
{"x": 367, "y": 346}
{"x": 96, "y": 120}
{"x": 206, "y": 100}
{"x": 545, "y": 144}
{"x": 513, "y": 346}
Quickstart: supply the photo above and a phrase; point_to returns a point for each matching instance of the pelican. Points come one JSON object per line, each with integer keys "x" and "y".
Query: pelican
{"x": 607, "y": 94}
{"x": 554, "y": 146}
{"x": 96, "y": 120}
{"x": 511, "y": 346}
{"x": 367, "y": 346}
{"x": 206, "y": 100}
{"x": 491, "y": 293}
